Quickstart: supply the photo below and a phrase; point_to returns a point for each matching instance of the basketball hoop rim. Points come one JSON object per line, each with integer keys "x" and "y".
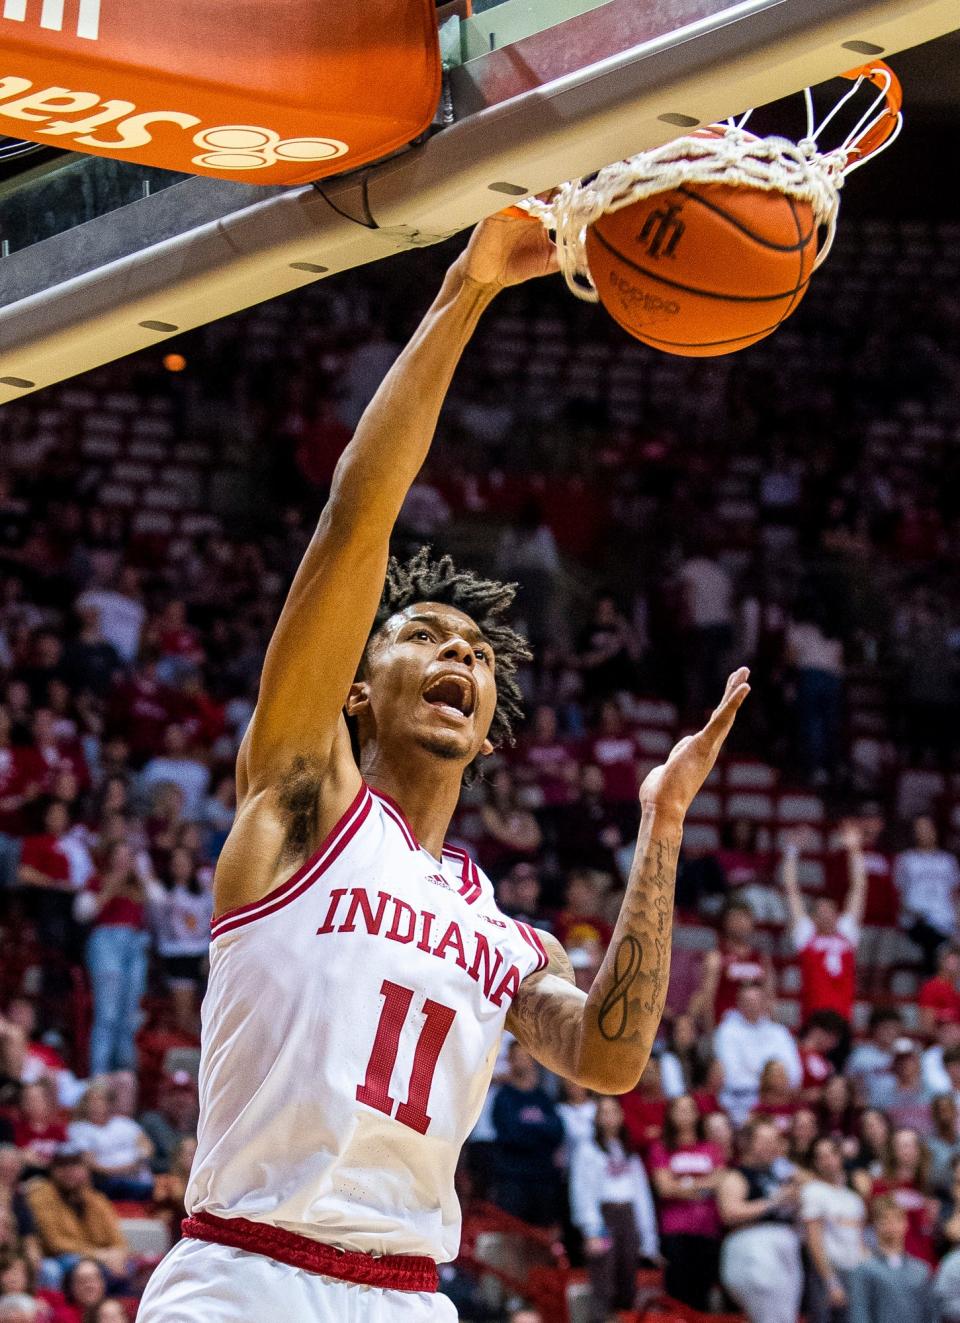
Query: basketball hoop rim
{"x": 727, "y": 154}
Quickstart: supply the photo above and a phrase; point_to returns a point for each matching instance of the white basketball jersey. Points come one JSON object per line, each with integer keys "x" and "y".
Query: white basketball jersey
{"x": 350, "y": 1029}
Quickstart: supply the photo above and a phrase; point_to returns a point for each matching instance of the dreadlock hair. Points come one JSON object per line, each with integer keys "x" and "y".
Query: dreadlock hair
{"x": 486, "y": 601}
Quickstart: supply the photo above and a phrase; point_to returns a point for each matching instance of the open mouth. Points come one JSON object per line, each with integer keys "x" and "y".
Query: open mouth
{"x": 452, "y": 695}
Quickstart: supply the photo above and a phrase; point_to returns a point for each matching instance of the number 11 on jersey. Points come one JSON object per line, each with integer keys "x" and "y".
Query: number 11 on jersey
{"x": 374, "y": 1091}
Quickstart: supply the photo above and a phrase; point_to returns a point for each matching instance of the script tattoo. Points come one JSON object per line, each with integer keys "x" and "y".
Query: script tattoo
{"x": 632, "y": 984}
{"x": 614, "y": 1013}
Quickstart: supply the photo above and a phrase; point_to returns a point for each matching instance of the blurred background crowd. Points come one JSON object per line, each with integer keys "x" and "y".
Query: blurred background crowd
{"x": 793, "y": 1146}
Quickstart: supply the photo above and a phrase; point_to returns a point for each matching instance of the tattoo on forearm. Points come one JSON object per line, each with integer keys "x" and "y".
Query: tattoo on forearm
{"x": 641, "y": 958}
{"x": 623, "y": 1007}
{"x": 614, "y": 1013}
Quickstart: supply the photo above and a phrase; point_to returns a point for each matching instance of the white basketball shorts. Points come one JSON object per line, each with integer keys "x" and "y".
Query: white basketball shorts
{"x": 199, "y": 1282}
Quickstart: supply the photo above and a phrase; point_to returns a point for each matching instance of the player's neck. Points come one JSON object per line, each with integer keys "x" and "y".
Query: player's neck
{"x": 428, "y": 800}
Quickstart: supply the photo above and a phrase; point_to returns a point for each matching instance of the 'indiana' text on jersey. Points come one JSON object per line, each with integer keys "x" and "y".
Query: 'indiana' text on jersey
{"x": 350, "y": 1029}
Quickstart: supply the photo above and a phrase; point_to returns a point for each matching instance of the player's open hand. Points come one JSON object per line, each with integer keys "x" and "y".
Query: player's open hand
{"x": 505, "y": 250}
{"x": 671, "y": 788}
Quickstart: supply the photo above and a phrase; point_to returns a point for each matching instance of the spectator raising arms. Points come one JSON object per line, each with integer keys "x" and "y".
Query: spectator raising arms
{"x": 610, "y": 1203}
{"x": 826, "y": 942}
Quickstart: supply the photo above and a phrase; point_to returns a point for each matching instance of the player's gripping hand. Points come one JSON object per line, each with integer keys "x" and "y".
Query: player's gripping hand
{"x": 504, "y": 250}
{"x": 671, "y": 788}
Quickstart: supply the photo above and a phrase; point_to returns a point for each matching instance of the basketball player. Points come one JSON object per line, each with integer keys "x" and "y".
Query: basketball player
{"x": 361, "y": 972}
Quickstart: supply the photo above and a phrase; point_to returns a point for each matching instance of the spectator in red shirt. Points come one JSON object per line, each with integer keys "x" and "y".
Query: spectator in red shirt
{"x": 44, "y": 875}
{"x": 883, "y": 900}
{"x": 177, "y": 642}
{"x": 20, "y": 778}
{"x": 906, "y": 1177}
{"x": 84, "y": 1287}
{"x": 57, "y": 754}
{"x": 37, "y": 1130}
{"x": 614, "y": 750}
{"x": 645, "y": 1108}
{"x": 743, "y": 863}
{"x": 579, "y": 923}
{"x": 825, "y": 941}
{"x": 201, "y": 716}
{"x": 820, "y": 1036}
{"x": 140, "y": 710}
{"x": 736, "y": 960}
{"x": 546, "y": 760}
{"x": 115, "y": 904}
{"x": 938, "y": 998}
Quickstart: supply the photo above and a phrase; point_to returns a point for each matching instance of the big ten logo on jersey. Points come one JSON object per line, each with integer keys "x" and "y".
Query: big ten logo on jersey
{"x": 83, "y": 119}
{"x": 85, "y": 20}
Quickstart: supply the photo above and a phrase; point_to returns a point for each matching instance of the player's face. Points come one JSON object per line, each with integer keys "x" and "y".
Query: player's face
{"x": 431, "y": 680}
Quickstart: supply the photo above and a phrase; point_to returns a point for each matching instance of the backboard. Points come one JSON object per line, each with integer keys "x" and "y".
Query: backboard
{"x": 104, "y": 259}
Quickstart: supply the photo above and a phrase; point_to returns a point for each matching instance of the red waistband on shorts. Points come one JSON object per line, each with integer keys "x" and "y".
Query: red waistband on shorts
{"x": 392, "y": 1272}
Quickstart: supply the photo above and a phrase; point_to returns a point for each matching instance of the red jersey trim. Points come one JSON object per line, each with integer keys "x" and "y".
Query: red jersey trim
{"x": 334, "y": 845}
{"x": 396, "y": 813}
{"x": 390, "y": 1272}
{"x": 532, "y": 939}
{"x": 470, "y": 885}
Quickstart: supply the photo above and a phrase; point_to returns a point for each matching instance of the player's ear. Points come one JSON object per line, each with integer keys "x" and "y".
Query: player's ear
{"x": 358, "y": 699}
{"x": 486, "y": 748}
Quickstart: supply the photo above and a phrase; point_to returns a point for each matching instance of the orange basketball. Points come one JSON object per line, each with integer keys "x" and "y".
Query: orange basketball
{"x": 704, "y": 268}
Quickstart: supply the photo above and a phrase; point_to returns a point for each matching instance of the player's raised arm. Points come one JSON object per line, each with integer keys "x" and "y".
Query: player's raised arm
{"x": 603, "y": 1038}
{"x": 318, "y": 643}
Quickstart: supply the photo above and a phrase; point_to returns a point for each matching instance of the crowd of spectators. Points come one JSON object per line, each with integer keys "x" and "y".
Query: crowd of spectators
{"x": 759, "y": 1163}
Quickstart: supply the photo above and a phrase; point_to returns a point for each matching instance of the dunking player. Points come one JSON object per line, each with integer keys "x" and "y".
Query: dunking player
{"x": 361, "y": 972}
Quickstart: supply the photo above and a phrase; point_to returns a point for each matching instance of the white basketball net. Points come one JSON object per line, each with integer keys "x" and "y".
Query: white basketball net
{"x": 800, "y": 170}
